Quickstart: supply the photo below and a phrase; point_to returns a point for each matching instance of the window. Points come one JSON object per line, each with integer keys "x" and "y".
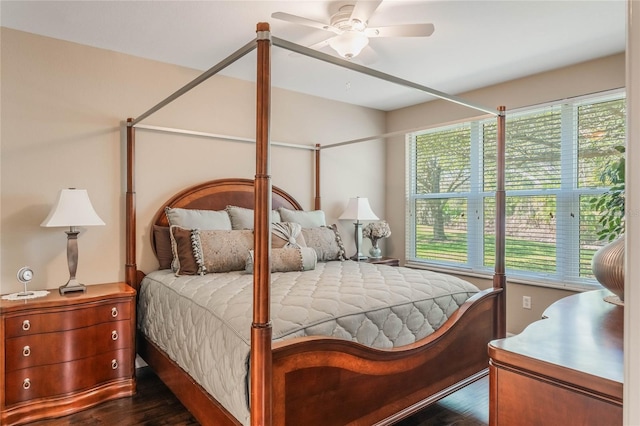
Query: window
{"x": 556, "y": 157}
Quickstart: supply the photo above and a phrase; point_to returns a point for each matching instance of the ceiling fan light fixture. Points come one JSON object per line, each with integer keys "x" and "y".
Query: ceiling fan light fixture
{"x": 349, "y": 44}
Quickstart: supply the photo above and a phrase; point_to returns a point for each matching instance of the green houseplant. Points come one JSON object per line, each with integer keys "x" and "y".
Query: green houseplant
{"x": 610, "y": 205}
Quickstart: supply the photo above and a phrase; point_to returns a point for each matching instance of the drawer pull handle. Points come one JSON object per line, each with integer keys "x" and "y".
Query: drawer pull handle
{"x": 26, "y": 351}
{"x": 26, "y": 384}
{"x": 114, "y": 364}
{"x": 114, "y": 312}
{"x": 26, "y": 325}
{"x": 114, "y": 335}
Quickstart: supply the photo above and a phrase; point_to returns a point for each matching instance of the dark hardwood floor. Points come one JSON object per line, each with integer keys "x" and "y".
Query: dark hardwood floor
{"x": 155, "y": 405}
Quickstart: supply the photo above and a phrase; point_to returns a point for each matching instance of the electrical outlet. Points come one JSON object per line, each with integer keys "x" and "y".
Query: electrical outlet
{"x": 526, "y": 302}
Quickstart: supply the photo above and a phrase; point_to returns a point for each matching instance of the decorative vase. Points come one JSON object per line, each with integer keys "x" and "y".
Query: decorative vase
{"x": 374, "y": 251}
{"x": 608, "y": 266}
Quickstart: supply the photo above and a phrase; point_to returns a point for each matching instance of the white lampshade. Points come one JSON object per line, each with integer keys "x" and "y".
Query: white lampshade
{"x": 349, "y": 44}
{"x": 358, "y": 209}
{"x": 72, "y": 208}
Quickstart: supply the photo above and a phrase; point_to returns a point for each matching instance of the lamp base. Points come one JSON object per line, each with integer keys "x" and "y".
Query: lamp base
{"x": 72, "y": 286}
{"x": 358, "y": 257}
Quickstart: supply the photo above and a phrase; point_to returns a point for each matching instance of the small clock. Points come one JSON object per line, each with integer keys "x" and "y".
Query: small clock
{"x": 25, "y": 275}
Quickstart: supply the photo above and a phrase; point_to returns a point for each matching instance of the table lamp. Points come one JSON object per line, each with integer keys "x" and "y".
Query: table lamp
{"x": 358, "y": 209}
{"x": 72, "y": 208}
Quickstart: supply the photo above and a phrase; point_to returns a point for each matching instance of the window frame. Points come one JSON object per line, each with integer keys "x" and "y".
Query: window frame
{"x": 567, "y": 199}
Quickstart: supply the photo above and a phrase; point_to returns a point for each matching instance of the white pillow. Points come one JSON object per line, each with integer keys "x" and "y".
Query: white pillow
{"x": 198, "y": 219}
{"x": 242, "y": 218}
{"x": 308, "y": 219}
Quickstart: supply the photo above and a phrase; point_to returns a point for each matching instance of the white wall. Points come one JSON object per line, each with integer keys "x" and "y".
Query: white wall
{"x": 632, "y": 270}
{"x": 63, "y": 106}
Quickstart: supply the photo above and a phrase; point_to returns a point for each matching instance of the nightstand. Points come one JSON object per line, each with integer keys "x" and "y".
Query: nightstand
{"x": 391, "y": 261}
{"x": 63, "y": 354}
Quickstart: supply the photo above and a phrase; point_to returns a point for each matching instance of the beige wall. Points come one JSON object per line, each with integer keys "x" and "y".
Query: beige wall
{"x": 63, "y": 106}
{"x": 590, "y": 77}
{"x": 62, "y": 109}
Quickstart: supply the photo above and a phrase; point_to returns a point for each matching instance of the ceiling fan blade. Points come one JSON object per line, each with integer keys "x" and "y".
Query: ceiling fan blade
{"x": 319, "y": 45}
{"x": 304, "y": 21}
{"x": 363, "y": 10}
{"x": 407, "y": 30}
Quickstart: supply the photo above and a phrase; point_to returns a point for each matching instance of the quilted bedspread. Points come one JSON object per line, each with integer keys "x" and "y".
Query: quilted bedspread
{"x": 203, "y": 322}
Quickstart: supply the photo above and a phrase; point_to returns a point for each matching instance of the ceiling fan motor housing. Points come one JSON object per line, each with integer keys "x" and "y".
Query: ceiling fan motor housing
{"x": 342, "y": 20}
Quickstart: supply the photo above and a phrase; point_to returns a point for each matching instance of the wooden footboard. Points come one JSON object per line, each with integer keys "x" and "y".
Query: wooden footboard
{"x": 331, "y": 382}
{"x": 319, "y": 381}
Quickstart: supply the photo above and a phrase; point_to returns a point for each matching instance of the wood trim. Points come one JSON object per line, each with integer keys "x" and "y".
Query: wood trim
{"x": 260, "y": 358}
{"x": 317, "y": 201}
{"x": 130, "y": 213}
{"x": 499, "y": 277}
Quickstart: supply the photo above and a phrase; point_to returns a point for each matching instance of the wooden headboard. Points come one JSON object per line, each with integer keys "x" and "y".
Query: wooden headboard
{"x": 216, "y": 195}
{"x": 220, "y": 193}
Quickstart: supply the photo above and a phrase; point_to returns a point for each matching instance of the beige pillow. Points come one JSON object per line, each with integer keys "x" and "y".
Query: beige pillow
{"x": 307, "y": 219}
{"x": 288, "y": 259}
{"x": 326, "y": 241}
{"x": 242, "y": 218}
{"x": 221, "y": 250}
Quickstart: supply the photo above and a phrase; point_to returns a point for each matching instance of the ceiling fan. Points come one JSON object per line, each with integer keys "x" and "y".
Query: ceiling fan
{"x": 350, "y": 28}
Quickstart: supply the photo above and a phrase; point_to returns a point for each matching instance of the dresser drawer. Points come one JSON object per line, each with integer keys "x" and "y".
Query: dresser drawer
{"x": 58, "y": 379}
{"x": 30, "y": 323}
{"x": 62, "y": 346}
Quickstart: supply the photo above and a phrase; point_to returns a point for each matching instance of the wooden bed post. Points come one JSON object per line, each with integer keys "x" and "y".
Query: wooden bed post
{"x": 499, "y": 278}
{"x": 317, "y": 203}
{"x": 130, "y": 232}
{"x": 261, "y": 360}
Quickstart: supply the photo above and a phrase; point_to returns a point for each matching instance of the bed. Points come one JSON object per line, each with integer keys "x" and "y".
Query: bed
{"x": 304, "y": 377}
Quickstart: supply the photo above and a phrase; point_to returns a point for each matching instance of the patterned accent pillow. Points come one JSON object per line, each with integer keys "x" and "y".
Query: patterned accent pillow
{"x": 287, "y": 259}
{"x": 286, "y": 234}
{"x": 195, "y": 219}
{"x": 307, "y": 219}
{"x": 221, "y": 250}
{"x": 326, "y": 241}
{"x": 242, "y": 218}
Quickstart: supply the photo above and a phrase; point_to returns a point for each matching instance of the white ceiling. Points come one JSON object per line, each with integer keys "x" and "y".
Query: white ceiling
{"x": 476, "y": 43}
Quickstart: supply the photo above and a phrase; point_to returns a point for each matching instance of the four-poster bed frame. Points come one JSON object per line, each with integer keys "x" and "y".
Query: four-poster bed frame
{"x": 292, "y": 381}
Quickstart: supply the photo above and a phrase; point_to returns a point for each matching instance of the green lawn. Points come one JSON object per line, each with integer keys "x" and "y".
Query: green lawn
{"x": 520, "y": 253}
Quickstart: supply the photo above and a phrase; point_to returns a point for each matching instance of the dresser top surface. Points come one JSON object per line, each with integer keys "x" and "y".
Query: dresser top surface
{"x": 580, "y": 336}
{"x": 94, "y": 293}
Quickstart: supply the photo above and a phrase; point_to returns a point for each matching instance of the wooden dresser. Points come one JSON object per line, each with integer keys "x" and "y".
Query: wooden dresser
{"x": 566, "y": 369}
{"x": 62, "y": 354}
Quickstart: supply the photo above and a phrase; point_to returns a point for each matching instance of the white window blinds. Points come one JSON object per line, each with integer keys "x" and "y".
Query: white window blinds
{"x": 556, "y": 158}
